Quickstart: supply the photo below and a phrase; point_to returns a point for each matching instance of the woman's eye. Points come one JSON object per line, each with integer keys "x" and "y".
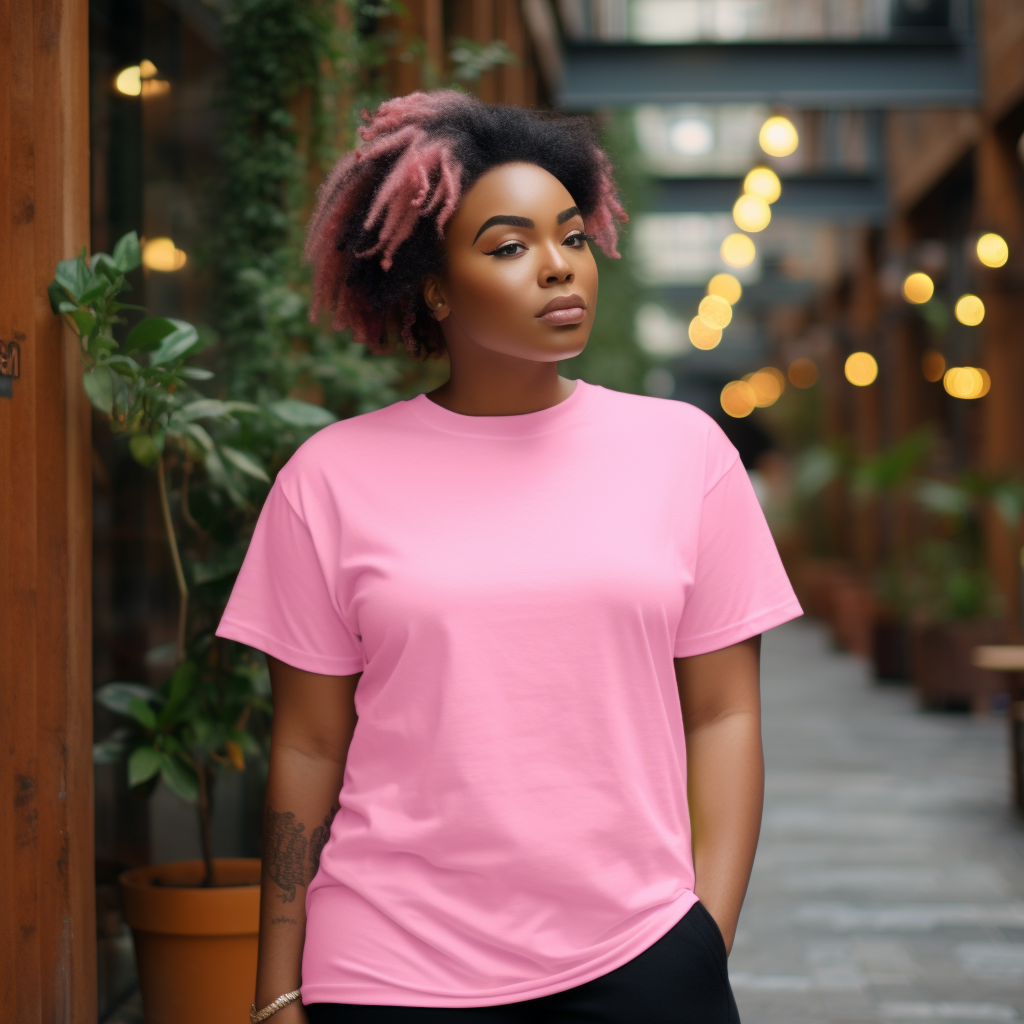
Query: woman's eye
{"x": 508, "y": 249}
{"x": 576, "y": 240}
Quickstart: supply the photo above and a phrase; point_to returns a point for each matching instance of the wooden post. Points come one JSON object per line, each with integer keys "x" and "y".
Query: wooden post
{"x": 47, "y": 927}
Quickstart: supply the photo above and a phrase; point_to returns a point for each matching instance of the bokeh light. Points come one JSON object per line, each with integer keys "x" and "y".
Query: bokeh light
{"x": 162, "y": 254}
{"x": 763, "y": 182}
{"x": 703, "y": 336}
{"x": 918, "y": 288}
{"x": 727, "y": 287}
{"x": 993, "y": 250}
{"x": 803, "y": 372}
{"x": 751, "y": 213}
{"x": 778, "y": 136}
{"x": 691, "y": 137}
{"x": 129, "y": 81}
{"x": 738, "y": 250}
{"x": 714, "y": 311}
{"x": 768, "y": 384}
{"x": 738, "y": 399}
{"x": 861, "y": 369}
{"x": 970, "y": 310}
{"x": 966, "y": 382}
{"x": 933, "y": 365}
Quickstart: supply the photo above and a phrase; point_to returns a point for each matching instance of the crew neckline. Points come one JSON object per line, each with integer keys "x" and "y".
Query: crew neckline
{"x": 522, "y": 424}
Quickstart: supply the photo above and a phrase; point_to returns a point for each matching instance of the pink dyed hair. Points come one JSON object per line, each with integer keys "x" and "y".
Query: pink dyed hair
{"x": 414, "y": 140}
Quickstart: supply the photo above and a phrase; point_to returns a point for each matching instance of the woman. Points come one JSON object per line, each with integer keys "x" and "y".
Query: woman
{"x": 512, "y": 625}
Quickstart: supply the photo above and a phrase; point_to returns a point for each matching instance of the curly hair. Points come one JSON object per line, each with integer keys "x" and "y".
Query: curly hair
{"x": 378, "y": 228}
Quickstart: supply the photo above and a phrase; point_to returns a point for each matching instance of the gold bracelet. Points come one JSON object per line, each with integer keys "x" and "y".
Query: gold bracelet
{"x": 257, "y": 1017}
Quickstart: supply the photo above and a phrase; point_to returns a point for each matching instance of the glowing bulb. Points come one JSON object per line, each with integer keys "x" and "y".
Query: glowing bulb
{"x": 161, "y": 254}
{"x": 147, "y": 69}
{"x": 703, "y": 336}
{"x": 763, "y": 182}
{"x": 738, "y": 250}
{"x": 129, "y": 81}
{"x": 738, "y": 399}
{"x": 918, "y": 288}
{"x": 933, "y": 365}
{"x": 965, "y": 382}
{"x": 715, "y": 312}
{"x": 727, "y": 287}
{"x": 861, "y": 369}
{"x": 778, "y": 136}
{"x": 803, "y": 373}
{"x": 751, "y": 213}
{"x": 986, "y": 382}
{"x": 993, "y": 250}
{"x": 768, "y": 385}
{"x": 970, "y": 310}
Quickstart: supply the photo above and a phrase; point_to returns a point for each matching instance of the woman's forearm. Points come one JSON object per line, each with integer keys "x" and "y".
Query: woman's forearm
{"x": 725, "y": 769}
{"x": 302, "y": 793}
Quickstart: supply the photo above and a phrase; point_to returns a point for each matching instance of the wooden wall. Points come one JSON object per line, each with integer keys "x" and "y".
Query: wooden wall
{"x": 47, "y": 928}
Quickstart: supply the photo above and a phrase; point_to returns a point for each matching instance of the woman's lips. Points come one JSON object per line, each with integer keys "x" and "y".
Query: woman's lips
{"x": 563, "y": 310}
{"x": 562, "y": 317}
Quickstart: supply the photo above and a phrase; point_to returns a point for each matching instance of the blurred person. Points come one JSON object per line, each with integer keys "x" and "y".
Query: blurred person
{"x": 512, "y": 625}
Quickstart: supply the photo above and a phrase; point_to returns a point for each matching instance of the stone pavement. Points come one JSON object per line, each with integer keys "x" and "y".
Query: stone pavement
{"x": 889, "y": 882}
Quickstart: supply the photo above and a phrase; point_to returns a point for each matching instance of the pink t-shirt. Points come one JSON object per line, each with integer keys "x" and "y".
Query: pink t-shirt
{"x": 513, "y": 815}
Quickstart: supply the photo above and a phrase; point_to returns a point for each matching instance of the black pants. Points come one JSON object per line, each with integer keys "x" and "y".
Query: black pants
{"x": 681, "y": 979}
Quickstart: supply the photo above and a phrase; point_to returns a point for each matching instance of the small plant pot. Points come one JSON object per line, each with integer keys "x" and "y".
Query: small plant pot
{"x": 195, "y": 947}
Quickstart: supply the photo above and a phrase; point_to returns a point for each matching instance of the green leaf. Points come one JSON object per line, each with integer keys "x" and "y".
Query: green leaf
{"x": 113, "y": 749}
{"x": 218, "y": 475}
{"x": 203, "y": 408}
{"x": 142, "y": 713}
{"x": 179, "y": 777}
{"x": 298, "y": 413}
{"x": 103, "y": 264}
{"x": 99, "y": 386}
{"x": 199, "y": 435}
{"x": 84, "y": 320}
{"x": 147, "y": 334}
{"x": 244, "y": 462}
{"x": 74, "y": 276}
{"x": 116, "y": 697}
{"x": 145, "y": 449}
{"x": 195, "y": 373}
{"x": 127, "y": 252}
{"x": 143, "y": 764}
{"x": 94, "y": 293}
{"x": 176, "y": 344}
{"x": 57, "y": 295}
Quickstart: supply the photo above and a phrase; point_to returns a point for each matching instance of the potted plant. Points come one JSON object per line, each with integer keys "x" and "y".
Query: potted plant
{"x": 195, "y": 923}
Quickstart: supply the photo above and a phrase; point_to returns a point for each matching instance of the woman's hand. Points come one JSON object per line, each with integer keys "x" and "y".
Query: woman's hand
{"x": 720, "y": 697}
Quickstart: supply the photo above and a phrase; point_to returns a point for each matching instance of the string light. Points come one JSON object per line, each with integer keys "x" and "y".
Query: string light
{"x": 738, "y": 399}
{"x": 861, "y": 369}
{"x": 161, "y": 254}
{"x": 966, "y": 382}
{"x": 751, "y": 213}
{"x": 778, "y": 137}
{"x": 970, "y": 310}
{"x": 763, "y": 182}
{"x": 738, "y": 250}
{"x": 768, "y": 385}
{"x": 702, "y": 336}
{"x": 726, "y": 286}
{"x": 715, "y": 312}
{"x": 918, "y": 288}
{"x": 993, "y": 250}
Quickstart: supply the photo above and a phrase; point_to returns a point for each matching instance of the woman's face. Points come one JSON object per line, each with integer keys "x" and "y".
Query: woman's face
{"x": 520, "y": 277}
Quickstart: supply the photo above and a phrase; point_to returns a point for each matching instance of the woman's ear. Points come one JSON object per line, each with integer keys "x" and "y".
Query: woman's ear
{"x": 432, "y": 295}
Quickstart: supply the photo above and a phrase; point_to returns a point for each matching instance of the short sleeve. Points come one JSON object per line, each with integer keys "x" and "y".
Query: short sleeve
{"x": 739, "y": 586}
{"x": 282, "y": 604}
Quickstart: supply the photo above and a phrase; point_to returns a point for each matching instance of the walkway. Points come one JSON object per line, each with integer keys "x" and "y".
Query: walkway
{"x": 889, "y": 883}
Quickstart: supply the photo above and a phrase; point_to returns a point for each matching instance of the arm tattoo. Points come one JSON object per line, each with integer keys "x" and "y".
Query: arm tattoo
{"x": 318, "y": 840}
{"x": 282, "y": 920}
{"x": 284, "y": 850}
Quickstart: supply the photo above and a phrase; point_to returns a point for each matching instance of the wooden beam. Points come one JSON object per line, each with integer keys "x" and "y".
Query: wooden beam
{"x": 47, "y": 929}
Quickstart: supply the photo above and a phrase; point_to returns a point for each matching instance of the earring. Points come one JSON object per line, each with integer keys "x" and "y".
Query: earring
{"x": 438, "y": 305}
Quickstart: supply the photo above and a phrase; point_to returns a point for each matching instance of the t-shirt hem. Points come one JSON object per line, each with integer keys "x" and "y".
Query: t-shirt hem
{"x": 733, "y": 634}
{"x": 293, "y": 656}
{"x": 368, "y": 995}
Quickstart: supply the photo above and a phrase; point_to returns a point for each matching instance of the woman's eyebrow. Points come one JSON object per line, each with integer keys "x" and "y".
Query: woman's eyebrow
{"x": 515, "y": 222}
{"x": 565, "y": 215}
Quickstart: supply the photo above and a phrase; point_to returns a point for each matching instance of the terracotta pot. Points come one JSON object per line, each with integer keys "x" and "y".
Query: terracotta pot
{"x": 853, "y": 615}
{"x": 195, "y": 948}
{"x": 942, "y": 665}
